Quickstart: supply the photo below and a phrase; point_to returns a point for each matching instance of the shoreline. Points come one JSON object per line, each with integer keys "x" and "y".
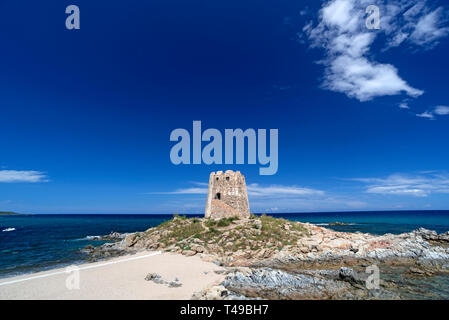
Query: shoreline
{"x": 117, "y": 278}
{"x": 254, "y": 258}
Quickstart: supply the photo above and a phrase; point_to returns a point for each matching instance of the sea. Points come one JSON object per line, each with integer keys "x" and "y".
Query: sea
{"x": 31, "y": 243}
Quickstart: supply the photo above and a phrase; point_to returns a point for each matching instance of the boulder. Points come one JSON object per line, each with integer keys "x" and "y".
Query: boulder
{"x": 131, "y": 239}
{"x": 189, "y": 253}
{"x": 197, "y": 248}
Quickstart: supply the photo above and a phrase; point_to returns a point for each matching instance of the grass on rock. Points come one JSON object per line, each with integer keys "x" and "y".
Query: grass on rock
{"x": 227, "y": 234}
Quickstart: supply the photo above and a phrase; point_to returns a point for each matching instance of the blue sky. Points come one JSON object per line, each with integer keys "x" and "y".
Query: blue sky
{"x": 86, "y": 114}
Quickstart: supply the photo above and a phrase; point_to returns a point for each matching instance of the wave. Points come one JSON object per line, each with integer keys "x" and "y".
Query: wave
{"x": 87, "y": 238}
{"x": 108, "y": 237}
{"x": 9, "y": 229}
{"x": 333, "y": 225}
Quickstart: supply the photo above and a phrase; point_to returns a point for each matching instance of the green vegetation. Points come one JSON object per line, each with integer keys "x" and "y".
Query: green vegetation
{"x": 225, "y": 235}
{"x": 224, "y": 222}
{"x": 180, "y": 228}
{"x": 8, "y": 213}
{"x": 274, "y": 229}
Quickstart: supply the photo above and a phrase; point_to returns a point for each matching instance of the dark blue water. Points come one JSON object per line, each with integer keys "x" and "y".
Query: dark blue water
{"x": 47, "y": 241}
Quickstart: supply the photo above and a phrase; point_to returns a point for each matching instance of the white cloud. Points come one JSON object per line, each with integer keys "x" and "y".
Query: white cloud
{"x": 278, "y": 190}
{"x": 364, "y": 80}
{"x": 254, "y": 190}
{"x": 340, "y": 13}
{"x": 430, "y": 29}
{"x": 441, "y": 110}
{"x": 421, "y": 185}
{"x": 427, "y": 115}
{"x": 404, "y": 105}
{"x": 437, "y": 111}
{"x": 11, "y": 176}
{"x": 341, "y": 32}
{"x": 414, "y": 22}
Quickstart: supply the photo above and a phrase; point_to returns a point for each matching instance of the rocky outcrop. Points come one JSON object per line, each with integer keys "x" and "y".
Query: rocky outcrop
{"x": 285, "y": 259}
{"x": 113, "y": 236}
{"x": 267, "y": 283}
{"x": 432, "y": 236}
{"x": 107, "y": 250}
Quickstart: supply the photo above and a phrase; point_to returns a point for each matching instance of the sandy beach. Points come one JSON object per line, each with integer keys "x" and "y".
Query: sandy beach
{"x": 118, "y": 278}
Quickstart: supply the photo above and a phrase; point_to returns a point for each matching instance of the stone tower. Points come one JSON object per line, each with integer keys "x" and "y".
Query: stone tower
{"x": 227, "y": 196}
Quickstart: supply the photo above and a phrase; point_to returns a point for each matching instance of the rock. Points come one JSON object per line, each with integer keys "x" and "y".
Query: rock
{"x": 339, "y": 224}
{"x": 353, "y": 249}
{"x": 304, "y": 249}
{"x": 257, "y": 224}
{"x": 420, "y": 272}
{"x": 189, "y": 253}
{"x": 267, "y": 283}
{"x": 131, "y": 239}
{"x": 156, "y": 278}
{"x": 264, "y": 253}
{"x": 211, "y": 293}
{"x": 349, "y": 275}
{"x": 174, "y": 284}
{"x": 88, "y": 249}
{"x": 106, "y": 250}
{"x": 113, "y": 236}
{"x": 152, "y": 277}
{"x": 222, "y": 271}
{"x": 430, "y": 235}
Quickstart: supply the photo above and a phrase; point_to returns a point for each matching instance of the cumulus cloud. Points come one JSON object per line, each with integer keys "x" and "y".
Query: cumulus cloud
{"x": 421, "y": 185}
{"x": 341, "y": 32}
{"x": 14, "y": 176}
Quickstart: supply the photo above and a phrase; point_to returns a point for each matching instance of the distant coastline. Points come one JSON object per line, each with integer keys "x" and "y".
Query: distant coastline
{"x": 9, "y": 213}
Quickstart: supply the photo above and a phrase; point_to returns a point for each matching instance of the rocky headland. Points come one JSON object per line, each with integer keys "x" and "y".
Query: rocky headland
{"x": 274, "y": 258}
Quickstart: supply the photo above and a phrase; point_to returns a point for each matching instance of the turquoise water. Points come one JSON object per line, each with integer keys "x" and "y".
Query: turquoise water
{"x": 30, "y": 243}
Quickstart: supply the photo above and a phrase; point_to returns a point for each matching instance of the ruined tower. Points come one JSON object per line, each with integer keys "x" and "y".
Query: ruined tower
{"x": 227, "y": 196}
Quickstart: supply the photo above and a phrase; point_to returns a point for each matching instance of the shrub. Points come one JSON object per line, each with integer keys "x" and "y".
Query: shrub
{"x": 224, "y": 222}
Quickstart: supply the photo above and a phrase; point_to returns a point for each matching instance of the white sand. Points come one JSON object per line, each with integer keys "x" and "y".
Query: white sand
{"x": 117, "y": 278}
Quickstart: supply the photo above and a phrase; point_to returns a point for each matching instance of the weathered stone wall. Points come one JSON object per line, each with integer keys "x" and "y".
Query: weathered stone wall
{"x": 230, "y": 188}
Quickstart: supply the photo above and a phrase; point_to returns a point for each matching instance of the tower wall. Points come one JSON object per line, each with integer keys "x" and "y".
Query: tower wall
{"x": 229, "y": 189}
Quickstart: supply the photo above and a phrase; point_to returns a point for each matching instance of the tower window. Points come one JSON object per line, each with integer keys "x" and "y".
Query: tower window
{"x": 218, "y": 196}
{"x": 227, "y": 178}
